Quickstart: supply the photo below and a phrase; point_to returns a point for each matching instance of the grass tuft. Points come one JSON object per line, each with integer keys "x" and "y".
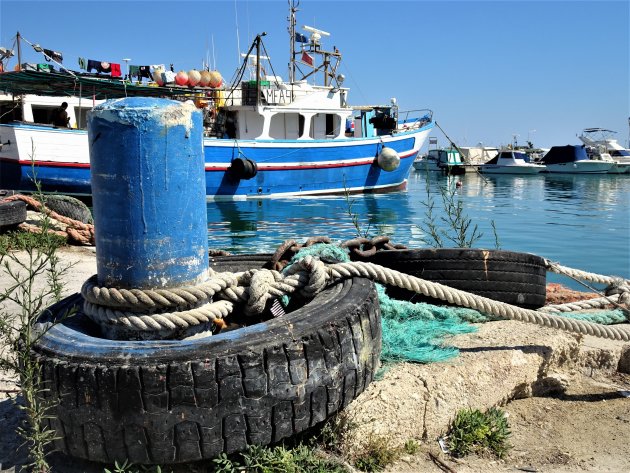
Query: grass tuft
{"x": 473, "y": 431}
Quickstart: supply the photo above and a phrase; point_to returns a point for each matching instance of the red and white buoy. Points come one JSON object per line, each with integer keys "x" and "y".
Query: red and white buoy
{"x": 194, "y": 76}
{"x": 181, "y": 78}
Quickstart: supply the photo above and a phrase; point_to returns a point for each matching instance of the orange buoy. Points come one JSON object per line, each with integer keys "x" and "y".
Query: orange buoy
{"x": 215, "y": 79}
{"x": 181, "y": 78}
{"x": 204, "y": 80}
{"x": 193, "y": 77}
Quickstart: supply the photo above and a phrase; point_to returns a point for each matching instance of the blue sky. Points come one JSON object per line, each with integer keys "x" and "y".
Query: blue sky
{"x": 489, "y": 70}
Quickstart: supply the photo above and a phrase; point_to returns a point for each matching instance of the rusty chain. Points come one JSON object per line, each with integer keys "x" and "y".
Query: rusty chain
{"x": 358, "y": 247}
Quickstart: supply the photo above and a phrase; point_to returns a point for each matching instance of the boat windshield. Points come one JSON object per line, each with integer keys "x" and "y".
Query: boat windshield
{"x": 522, "y": 156}
{"x": 620, "y": 153}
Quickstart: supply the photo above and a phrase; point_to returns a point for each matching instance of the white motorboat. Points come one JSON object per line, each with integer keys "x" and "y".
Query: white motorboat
{"x": 573, "y": 160}
{"x": 600, "y": 145}
{"x": 511, "y": 162}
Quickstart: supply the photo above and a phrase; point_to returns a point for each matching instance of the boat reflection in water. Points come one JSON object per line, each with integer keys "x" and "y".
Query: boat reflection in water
{"x": 260, "y": 225}
{"x": 581, "y": 221}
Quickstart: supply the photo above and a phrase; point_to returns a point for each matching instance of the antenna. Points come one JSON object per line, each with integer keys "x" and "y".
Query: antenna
{"x": 316, "y": 34}
{"x": 310, "y": 29}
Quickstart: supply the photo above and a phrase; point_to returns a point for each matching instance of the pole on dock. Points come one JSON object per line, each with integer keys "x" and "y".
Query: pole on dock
{"x": 148, "y": 191}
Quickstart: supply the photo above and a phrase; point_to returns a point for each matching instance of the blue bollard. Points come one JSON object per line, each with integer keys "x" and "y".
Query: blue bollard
{"x": 148, "y": 193}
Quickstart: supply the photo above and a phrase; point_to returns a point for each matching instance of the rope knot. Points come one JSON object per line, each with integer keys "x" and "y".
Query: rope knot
{"x": 317, "y": 276}
{"x": 260, "y": 285}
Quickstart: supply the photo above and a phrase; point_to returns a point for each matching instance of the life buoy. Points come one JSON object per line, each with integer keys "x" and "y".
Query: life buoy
{"x": 243, "y": 168}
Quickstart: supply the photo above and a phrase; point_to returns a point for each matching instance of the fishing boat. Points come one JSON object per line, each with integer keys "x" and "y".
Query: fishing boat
{"x": 572, "y": 159}
{"x": 264, "y": 137}
{"x": 510, "y": 162}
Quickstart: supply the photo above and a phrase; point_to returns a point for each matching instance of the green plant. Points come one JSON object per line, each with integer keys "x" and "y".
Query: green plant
{"x": 411, "y": 447}
{"x": 33, "y": 280}
{"x": 354, "y": 217}
{"x": 127, "y": 467}
{"x": 17, "y": 240}
{"x": 279, "y": 459}
{"x": 497, "y": 243}
{"x": 377, "y": 453}
{"x": 453, "y": 225}
{"x": 475, "y": 432}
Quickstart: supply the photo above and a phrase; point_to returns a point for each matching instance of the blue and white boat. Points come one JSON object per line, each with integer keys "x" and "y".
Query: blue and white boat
{"x": 264, "y": 137}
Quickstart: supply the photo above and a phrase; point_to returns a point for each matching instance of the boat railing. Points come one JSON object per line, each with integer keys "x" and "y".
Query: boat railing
{"x": 412, "y": 119}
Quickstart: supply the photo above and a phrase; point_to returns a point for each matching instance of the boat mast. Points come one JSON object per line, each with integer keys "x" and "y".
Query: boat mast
{"x": 292, "y": 9}
{"x": 19, "y": 48}
{"x": 258, "y": 68}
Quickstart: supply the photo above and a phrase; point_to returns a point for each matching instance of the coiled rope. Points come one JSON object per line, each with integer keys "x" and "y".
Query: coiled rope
{"x": 308, "y": 276}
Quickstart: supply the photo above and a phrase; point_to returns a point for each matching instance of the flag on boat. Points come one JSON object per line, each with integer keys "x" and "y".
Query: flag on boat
{"x": 308, "y": 59}
{"x": 300, "y": 38}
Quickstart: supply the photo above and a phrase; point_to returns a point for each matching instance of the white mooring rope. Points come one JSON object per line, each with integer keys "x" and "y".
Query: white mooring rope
{"x": 184, "y": 307}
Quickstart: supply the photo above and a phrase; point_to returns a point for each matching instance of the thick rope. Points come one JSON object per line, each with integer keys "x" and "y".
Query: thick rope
{"x": 584, "y": 275}
{"x": 308, "y": 275}
{"x": 212, "y": 312}
{"x": 598, "y": 303}
{"x": 76, "y": 231}
{"x": 143, "y": 300}
{"x": 464, "y": 299}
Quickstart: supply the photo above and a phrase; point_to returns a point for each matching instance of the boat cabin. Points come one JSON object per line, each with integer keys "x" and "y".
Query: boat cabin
{"x": 274, "y": 110}
{"x": 38, "y": 109}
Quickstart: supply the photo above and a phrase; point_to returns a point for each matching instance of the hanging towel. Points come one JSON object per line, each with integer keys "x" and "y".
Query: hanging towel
{"x": 134, "y": 71}
{"x": 92, "y": 64}
{"x": 144, "y": 71}
{"x": 55, "y": 55}
{"x": 105, "y": 67}
{"x": 115, "y": 69}
{"x": 44, "y": 67}
{"x": 82, "y": 63}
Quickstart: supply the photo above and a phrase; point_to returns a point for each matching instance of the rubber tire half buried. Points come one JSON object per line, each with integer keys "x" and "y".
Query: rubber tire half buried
{"x": 163, "y": 402}
{"x": 12, "y": 213}
{"x": 69, "y": 207}
{"x": 519, "y": 279}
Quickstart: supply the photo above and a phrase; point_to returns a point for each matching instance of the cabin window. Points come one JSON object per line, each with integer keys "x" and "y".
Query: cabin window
{"x": 81, "y": 114}
{"x": 325, "y": 125}
{"x": 330, "y": 124}
{"x": 10, "y": 111}
{"x": 43, "y": 113}
{"x": 286, "y": 126}
{"x": 301, "y": 125}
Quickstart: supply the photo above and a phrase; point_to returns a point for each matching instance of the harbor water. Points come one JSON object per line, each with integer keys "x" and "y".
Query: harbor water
{"x": 579, "y": 221}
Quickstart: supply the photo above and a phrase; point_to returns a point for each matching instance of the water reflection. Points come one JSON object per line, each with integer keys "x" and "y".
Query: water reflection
{"x": 579, "y": 221}
{"x": 261, "y": 225}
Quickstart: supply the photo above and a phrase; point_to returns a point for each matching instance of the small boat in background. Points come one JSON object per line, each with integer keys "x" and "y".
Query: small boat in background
{"x": 510, "y": 162}
{"x": 572, "y": 159}
{"x": 600, "y": 145}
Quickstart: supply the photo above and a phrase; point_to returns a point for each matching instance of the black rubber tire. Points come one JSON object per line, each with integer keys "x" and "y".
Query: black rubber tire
{"x": 519, "y": 279}
{"x": 6, "y": 193}
{"x": 172, "y": 401}
{"x": 12, "y": 213}
{"x": 243, "y": 168}
{"x": 69, "y": 207}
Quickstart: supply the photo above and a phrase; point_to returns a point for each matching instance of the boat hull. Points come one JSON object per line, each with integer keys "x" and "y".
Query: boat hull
{"x": 580, "y": 167}
{"x": 59, "y": 159}
{"x": 520, "y": 170}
